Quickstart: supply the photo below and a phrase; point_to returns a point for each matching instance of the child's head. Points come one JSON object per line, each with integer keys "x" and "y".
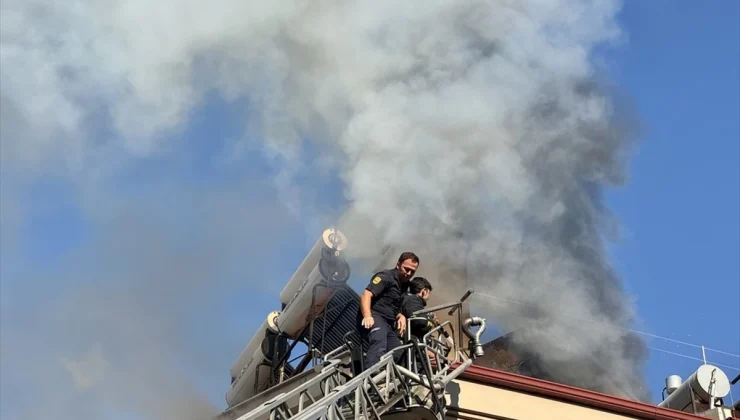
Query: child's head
{"x": 421, "y": 287}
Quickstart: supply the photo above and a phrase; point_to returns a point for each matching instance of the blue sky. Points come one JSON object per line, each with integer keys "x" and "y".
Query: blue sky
{"x": 680, "y": 210}
{"x": 230, "y": 243}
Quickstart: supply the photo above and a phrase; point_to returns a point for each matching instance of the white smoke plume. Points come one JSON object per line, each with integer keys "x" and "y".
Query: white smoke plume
{"x": 474, "y": 131}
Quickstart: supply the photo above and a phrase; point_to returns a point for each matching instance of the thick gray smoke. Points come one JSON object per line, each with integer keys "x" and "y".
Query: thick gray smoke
{"x": 473, "y": 131}
{"x": 141, "y": 320}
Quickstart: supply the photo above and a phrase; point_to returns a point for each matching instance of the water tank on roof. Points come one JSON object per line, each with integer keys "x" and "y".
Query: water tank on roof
{"x": 706, "y": 383}
{"x": 672, "y": 383}
{"x": 331, "y": 241}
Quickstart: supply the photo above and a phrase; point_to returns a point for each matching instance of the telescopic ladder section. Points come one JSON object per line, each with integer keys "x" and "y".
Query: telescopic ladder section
{"x": 368, "y": 395}
{"x": 333, "y": 393}
{"x": 385, "y": 388}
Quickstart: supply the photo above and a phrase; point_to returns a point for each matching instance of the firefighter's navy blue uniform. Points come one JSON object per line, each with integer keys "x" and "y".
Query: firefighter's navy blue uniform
{"x": 385, "y": 304}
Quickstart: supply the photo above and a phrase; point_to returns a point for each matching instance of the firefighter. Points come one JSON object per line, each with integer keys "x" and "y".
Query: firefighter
{"x": 380, "y": 308}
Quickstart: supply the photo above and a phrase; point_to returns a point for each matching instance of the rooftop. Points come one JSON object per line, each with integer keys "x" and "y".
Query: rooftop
{"x": 573, "y": 395}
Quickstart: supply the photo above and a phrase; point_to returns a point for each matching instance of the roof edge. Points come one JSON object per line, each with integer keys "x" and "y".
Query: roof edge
{"x": 571, "y": 394}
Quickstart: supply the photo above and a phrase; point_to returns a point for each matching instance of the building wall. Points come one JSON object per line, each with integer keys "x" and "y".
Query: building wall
{"x": 466, "y": 399}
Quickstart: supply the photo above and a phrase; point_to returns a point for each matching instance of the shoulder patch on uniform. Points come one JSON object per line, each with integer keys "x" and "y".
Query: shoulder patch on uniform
{"x": 377, "y": 280}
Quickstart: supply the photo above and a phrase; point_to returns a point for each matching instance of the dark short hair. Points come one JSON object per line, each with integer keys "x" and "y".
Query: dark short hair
{"x": 418, "y": 284}
{"x": 408, "y": 256}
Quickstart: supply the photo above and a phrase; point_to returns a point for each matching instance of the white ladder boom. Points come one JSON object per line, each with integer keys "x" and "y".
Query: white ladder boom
{"x": 334, "y": 395}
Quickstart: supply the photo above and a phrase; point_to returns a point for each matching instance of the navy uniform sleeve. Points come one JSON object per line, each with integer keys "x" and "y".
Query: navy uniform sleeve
{"x": 377, "y": 284}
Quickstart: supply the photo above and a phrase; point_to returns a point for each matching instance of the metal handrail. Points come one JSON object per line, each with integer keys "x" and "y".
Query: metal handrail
{"x": 335, "y": 392}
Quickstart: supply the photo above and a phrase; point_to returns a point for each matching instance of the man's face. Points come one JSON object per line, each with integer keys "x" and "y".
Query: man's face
{"x": 406, "y": 270}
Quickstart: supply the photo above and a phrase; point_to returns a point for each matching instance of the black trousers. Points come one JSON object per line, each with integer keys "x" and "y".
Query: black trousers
{"x": 381, "y": 338}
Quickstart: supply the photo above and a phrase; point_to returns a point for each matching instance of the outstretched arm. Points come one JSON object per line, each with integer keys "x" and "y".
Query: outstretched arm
{"x": 367, "y": 315}
{"x": 365, "y": 300}
{"x": 374, "y": 288}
